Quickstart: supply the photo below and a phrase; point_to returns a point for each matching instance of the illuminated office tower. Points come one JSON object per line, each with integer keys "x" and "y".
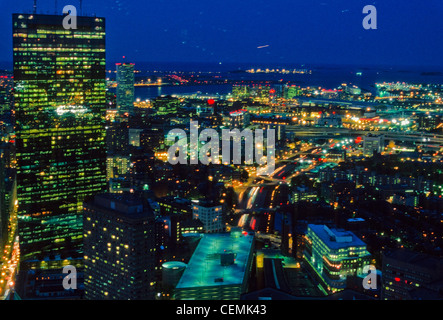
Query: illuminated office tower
{"x": 60, "y": 96}
{"x": 125, "y": 87}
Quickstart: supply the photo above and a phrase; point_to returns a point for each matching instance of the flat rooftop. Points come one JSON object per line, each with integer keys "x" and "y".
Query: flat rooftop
{"x": 336, "y": 238}
{"x": 205, "y": 270}
{"x": 126, "y": 204}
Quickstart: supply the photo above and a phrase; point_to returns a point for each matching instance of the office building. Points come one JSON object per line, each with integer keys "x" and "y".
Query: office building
{"x": 117, "y": 166}
{"x": 60, "y": 96}
{"x": 125, "y": 87}
{"x": 408, "y": 275}
{"x": 326, "y": 120}
{"x": 219, "y": 269}
{"x": 209, "y": 214}
{"x": 152, "y": 139}
{"x": 291, "y": 92}
{"x": 237, "y": 119}
{"x": 6, "y": 85}
{"x": 333, "y": 255}
{"x": 430, "y": 122}
{"x": 302, "y": 193}
{"x": 134, "y": 137}
{"x": 166, "y": 105}
{"x": 240, "y": 91}
{"x": 119, "y": 248}
{"x": 373, "y": 143}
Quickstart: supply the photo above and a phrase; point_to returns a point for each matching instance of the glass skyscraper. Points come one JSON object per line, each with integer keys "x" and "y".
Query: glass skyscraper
{"x": 125, "y": 87}
{"x": 60, "y": 97}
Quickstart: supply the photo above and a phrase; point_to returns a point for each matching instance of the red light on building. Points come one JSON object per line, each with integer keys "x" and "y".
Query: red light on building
{"x": 397, "y": 279}
{"x": 211, "y": 102}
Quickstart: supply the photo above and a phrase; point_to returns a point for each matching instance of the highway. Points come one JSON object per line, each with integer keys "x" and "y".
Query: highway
{"x": 10, "y": 256}
{"x": 264, "y": 192}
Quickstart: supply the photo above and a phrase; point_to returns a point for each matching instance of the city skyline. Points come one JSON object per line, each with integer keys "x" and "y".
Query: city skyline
{"x": 119, "y": 180}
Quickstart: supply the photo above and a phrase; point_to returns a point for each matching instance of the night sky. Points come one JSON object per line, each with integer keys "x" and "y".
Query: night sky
{"x": 289, "y": 31}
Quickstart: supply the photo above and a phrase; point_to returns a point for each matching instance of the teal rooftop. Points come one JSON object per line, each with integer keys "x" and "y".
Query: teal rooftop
{"x": 220, "y": 259}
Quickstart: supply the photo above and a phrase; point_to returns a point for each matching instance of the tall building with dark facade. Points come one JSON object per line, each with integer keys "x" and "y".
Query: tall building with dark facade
{"x": 60, "y": 96}
{"x": 119, "y": 248}
{"x": 6, "y": 84}
{"x": 125, "y": 87}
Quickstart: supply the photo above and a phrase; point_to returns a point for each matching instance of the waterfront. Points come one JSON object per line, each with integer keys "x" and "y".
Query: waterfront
{"x": 328, "y": 77}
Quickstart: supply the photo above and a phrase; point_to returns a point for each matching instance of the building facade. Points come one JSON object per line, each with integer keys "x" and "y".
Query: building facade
{"x": 333, "y": 255}
{"x": 119, "y": 248}
{"x": 60, "y": 97}
{"x": 210, "y": 215}
{"x": 406, "y": 273}
{"x": 373, "y": 144}
{"x": 125, "y": 87}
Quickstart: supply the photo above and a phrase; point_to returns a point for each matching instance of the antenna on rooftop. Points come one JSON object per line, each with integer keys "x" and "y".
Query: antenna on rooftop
{"x": 35, "y": 6}
{"x": 81, "y": 6}
{"x": 55, "y": 6}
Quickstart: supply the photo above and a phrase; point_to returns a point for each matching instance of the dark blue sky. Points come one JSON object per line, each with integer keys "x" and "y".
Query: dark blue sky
{"x": 312, "y": 32}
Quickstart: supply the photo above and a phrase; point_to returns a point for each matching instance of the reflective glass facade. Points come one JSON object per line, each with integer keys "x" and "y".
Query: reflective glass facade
{"x": 125, "y": 87}
{"x": 60, "y": 96}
